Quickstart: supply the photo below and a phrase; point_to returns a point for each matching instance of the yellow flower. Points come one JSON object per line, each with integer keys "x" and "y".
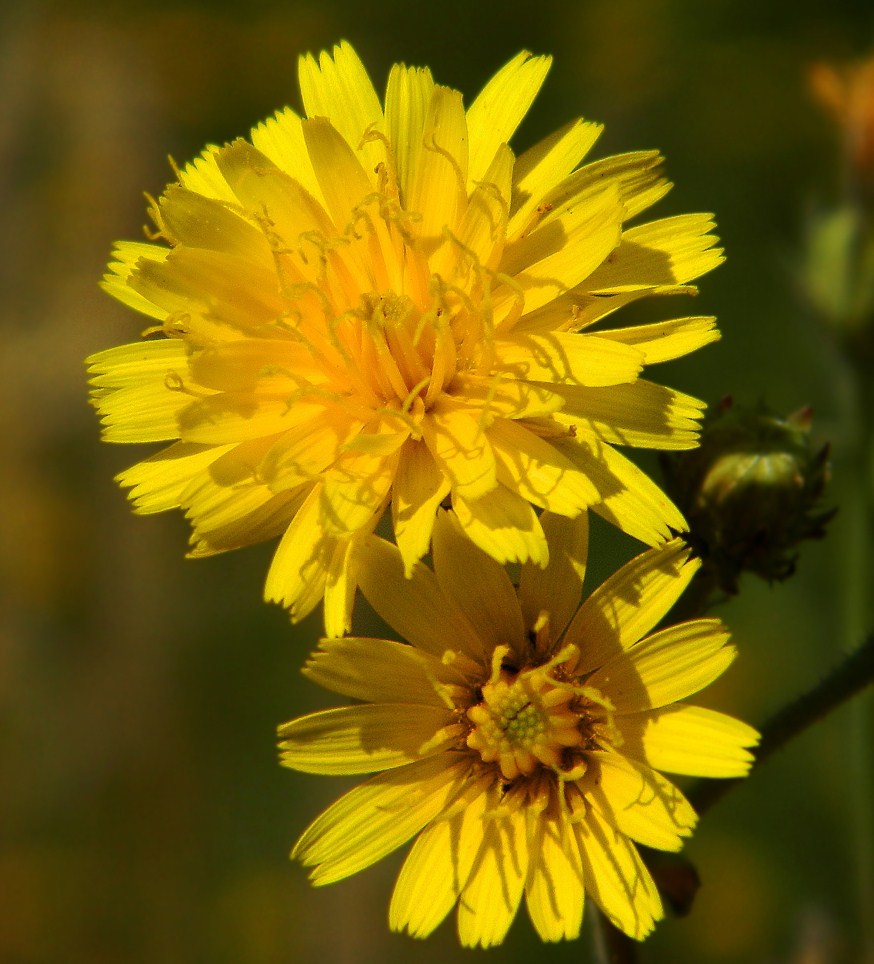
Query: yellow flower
{"x": 383, "y": 305}
{"x": 519, "y": 737}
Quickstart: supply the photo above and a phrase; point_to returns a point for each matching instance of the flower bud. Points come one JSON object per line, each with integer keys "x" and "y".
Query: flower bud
{"x": 751, "y": 492}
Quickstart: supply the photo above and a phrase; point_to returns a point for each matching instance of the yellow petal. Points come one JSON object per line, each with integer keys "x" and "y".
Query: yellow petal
{"x": 140, "y": 363}
{"x": 247, "y": 365}
{"x": 256, "y": 518}
{"x": 628, "y": 604}
{"x": 419, "y": 487}
{"x": 438, "y": 185}
{"x": 362, "y": 739}
{"x": 238, "y": 466}
{"x": 355, "y": 489}
{"x": 341, "y": 177}
{"x": 228, "y": 507}
{"x": 212, "y": 287}
{"x": 556, "y": 589}
{"x": 139, "y": 390}
{"x": 555, "y": 259}
{"x": 567, "y": 359}
{"x": 491, "y": 896}
{"x": 637, "y": 176}
{"x": 142, "y": 413}
{"x": 234, "y": 417}
{"x": 616, "y": 877}
{"x": 498, "y": 110}
{"x": 630, "y": 500}
{"x": 203, "y": 176}
{"x": 339, "y": 88}
{"x": 280, "y": 203}
{"x": 690, "y": 740}
{"x": 200, "y": 222}
{"x": 377, "y": 817}
{"x": 581, "y": 308}
{"x": 115, "y": 282}
{"x": 461, "y": 449}
{"x": 378, "y": 671}
{"x": 157, "y": 483}
{"x": 341, "y": 580}
{"x": 639, "y": 802}
{"x": 280, "y": 138}
{"x": 666, "y": 667}
{"x": 315, "y": 435}
{"x": 436, "y": 870}
{"x": 406, "y": 105}
{"x": 503, "y": 525}
{"x": 543, "y": 166}
{"x": 296, "y": 579}
{"x": 554, "y": 891}
{"x": 505, "y": 397}
{"x": 641, "y": 414}
{"x": 667, "y": 252}
{"x": 478, "y": 585}
{"x": 414, "y": 607}
{"x": 482, "y": 229}
{"x": 666, "y": 340}
{"x": 531, "y": 466}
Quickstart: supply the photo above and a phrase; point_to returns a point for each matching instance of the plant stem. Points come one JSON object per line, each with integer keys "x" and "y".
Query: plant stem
{"x": 611, "y": 945}
{"x": 859, "y": 487}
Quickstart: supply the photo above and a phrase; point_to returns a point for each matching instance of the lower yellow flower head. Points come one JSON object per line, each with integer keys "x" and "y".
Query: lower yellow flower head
{"x": 380, "y": 304}
{"x": 519, "y": 737}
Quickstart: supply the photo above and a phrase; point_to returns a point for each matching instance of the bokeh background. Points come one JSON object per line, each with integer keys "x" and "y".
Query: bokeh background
{"x": 143, "y": 817}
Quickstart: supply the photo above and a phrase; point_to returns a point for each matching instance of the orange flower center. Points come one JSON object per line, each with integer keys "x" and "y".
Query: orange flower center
{"x": 389, "y": 318}
{"x": 396, "y": 348}
{"x": 524, "y": 721}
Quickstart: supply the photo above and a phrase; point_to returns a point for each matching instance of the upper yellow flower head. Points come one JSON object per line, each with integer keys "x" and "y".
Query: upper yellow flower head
{"x": 519, "y": 737}
{"x": 377, "y": 305}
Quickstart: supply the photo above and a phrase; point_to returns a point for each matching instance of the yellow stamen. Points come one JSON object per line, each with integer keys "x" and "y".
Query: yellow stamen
{"x": 524, "y": 720}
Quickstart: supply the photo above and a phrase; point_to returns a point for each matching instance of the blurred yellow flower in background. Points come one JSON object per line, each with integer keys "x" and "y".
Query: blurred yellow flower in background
{"x": 383, "y": 305}
{"x": 837, "y": 274}
{"x": 519, "y": 737}
{"x": 847, "y": 93}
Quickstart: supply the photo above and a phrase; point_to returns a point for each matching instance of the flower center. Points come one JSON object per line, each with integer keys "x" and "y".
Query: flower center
{"x": 387, "y": 310}
{"x": 524, "y": 720}
{"x": 400, "y": 352}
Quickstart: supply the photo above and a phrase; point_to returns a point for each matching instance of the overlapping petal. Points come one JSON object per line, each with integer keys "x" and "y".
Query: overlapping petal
{"x": 381, "y": 306}
{"x": 524, "y": 754}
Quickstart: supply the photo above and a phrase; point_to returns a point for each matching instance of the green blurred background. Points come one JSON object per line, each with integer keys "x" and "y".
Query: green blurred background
{"x": 143, "y": 817}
